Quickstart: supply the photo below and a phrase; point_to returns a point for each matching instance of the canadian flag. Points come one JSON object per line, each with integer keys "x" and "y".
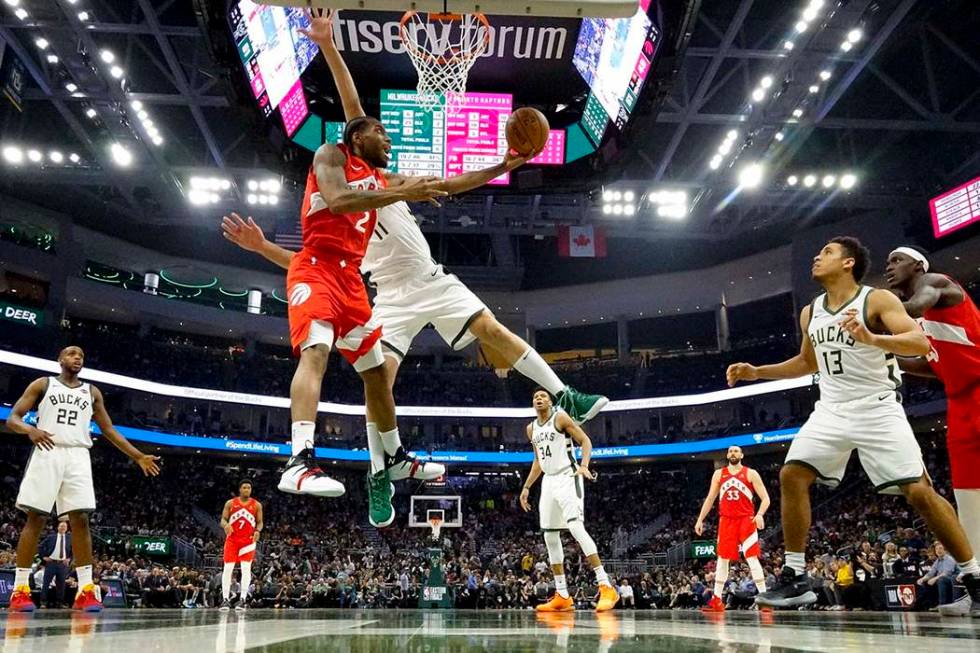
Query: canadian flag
{"x": 582, "y": 242}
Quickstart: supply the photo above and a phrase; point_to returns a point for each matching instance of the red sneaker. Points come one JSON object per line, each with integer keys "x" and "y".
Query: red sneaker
{"x": 87, "y": 599}
{"x": 714, "y": 605}
{"x": 20, "y": 600}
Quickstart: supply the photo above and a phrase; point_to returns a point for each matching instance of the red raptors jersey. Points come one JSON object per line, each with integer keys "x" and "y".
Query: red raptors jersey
{"x": 346, "y": 235}
{"x": 954, "y": 334}
{"x": 735, "y": 496}
{"x": 242, "y": 518}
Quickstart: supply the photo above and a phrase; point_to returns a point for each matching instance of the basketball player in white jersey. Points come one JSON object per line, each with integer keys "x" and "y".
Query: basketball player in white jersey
{"x": 59, "y": 472}
{"x": 852, "y": 335}
{"x": 553, "y": 437}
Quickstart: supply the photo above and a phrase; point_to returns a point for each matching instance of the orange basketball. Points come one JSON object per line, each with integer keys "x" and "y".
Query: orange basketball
{"x": 527, "y": 131}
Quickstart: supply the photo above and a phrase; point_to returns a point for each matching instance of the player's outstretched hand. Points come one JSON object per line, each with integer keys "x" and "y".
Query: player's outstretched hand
{"x": 41, "y": 439}
{"x": 321, "y": 27}
{"x": 855, "y": 328}
{"x": 741, "y": 372}
{"x": 699, "y": 527}
{"x": 524, "y": 500}
{"x": 585, "y": 473}
{"x": 245, "y": 234}
{"x": 422, "y": 189}
{"x": 148, "y": 464}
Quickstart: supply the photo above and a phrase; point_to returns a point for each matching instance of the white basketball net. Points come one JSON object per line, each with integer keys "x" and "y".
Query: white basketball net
{"x": 443, "y": 48}
{"x": 436, "y": 524}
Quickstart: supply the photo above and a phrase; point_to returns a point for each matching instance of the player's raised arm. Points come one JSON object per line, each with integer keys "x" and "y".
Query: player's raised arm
{"x": 708, "y": 501}
{"x": 146, "y": 462}
{"x": 27, "y": 401}
{"x": 470, "y": 180}
{"x": 800, "y": 365}
{"x": 763, "y": 494}
{"x": 567, "y": 425}
{"x": 321, "y": 33}
{"x": 248, "y": 235}
{"x": 905, "y": 338}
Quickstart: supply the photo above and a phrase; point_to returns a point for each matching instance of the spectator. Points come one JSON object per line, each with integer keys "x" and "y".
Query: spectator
{"x": 626, "y": 594}
{"x": 942, "y": 574}
{"x": 56, "y": 551}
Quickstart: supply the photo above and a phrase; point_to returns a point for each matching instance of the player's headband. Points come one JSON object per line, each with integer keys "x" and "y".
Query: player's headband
{"x": 913, "y": 254}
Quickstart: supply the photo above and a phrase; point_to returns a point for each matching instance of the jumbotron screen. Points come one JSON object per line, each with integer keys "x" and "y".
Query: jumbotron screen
{"x": 956, "y": 209}
{"x": 446, "y": 145}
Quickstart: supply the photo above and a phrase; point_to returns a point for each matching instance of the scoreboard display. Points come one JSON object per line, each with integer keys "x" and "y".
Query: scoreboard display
{"x": 473, "y": 138}
{"x": 956, "y": 209}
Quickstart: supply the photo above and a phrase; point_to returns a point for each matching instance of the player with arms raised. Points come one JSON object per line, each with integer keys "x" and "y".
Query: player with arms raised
{"x": 553, "y": 436}
{"x": 243, "y": 521}
{"x": 735, "y": 486}
{"x": 59, "y": 472}
{"x": 852, "y": 335}
{"x": 951, "y": 321}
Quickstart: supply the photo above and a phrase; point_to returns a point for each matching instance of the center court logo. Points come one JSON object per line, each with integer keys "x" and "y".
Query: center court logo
{"x": 299, "y": 294}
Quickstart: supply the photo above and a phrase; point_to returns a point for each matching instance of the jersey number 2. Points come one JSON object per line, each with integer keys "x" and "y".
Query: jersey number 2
{"x": 67, "y": 417}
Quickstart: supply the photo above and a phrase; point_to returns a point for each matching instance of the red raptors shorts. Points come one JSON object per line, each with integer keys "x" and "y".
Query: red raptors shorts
{"x": 963, "y": 440}
{"x": 737, "y": 534}
{"x": 330, "y": 290}
{"x": 239, "y": 550}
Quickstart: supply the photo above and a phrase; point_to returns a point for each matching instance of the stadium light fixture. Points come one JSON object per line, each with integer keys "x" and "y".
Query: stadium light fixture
{"x": 792, "y": 180}
{"x": 814, "y": 89}
{"x": 810, "y": 14}
{"x": 766, "y": 82}
{"x": 137, "y": 105}
{"x": 825, "y": 75}
{"x": 751, "y": 175}
{"x": 52, "y": 58}
{"x": 83, "y": 16}
{"x": 107, "y": 56}
{"x": 848, "y": 181}
{"x": 12, "y": 3}
{"x": 34, "y": 156}
{"x": 846, "y": 46}
{"x": 758, "y": 95}
{"x": 809, "y": 181}
{"x": 725, "y": 148}
{"x": 715, "y": 162}
{"x": 829, "y": 181}
{"x": 855, "y": 35}
{"x": 71, "y": 87}
{"x": 41, "y": 43}
{"x": 74, "y": 158}
{"x": 116, "y": 72}
{"x": 56, "y": 156}
{"x": 121, "y": 155}
{"x": 797, "y": 113}
{"x": 801, "y": 26}
{"x": 788, "y": 45}
{"x": 732, "y": 134}
{"x": 779, "y": 136}
{"x": 21, "y": 13}
{"x": 607, "y": 195}
{"x": 628, "y": 196}
{"x": 13, "y": 155}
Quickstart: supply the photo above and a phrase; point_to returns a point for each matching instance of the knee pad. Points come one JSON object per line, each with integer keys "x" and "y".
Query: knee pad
{"x": 577, "y": 529}
{"x": 556, "y": 552}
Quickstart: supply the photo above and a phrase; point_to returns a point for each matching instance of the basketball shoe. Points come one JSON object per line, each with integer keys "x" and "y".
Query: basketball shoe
{"x": 225, "y": 606}
{"x": 714, "y": 605}
{"x": 580, "y": 407}
{"x": 967, "y": 605}
{"x": 380, "y": 490}
{"x": 88, "y": 600}
{"x": 402, "y": 465}
{"x": 608, "y": 598}
{"x": 558, "y": 603}
{"x": 302, "y": 476}
{"x": 20, "y": 600}
{"x": 792, "y": 590}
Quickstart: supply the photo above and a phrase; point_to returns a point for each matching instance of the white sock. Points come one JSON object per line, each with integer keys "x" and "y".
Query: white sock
{"x": 561, "y": 586}
{"x": 391, "y": 441}
{"x": 226, "y": 575}
{"x": 601, "y": 576}
{"x": 968, "y": 508}
{"x": 84, "y": 576}
{"x": 758, "y": 573}
{"x": 760, "y": 585}
{"x": 531, "y": 365}
{"x": 969, "y": 567}
{"x": 22, "y": 577}
{"x": 719, "y": 588}
{"x": 246, "y": 578}
{"x": 796, "y": 562}
{"x": 303, "y": 435}
{"x": 376, "y": 448}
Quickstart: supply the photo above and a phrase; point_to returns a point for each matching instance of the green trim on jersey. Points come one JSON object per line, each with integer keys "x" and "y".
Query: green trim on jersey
{"x": 850, "y": 301}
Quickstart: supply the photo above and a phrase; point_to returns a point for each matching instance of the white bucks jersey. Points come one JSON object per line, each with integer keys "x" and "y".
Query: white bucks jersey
{"x": 849, "y": 369}
{"x": 556, "y": 452}
{"x": 66, "y": 413}
{"x": 397, "y": 247}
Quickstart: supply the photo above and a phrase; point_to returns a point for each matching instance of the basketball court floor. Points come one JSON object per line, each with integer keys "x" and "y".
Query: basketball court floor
{"x": 298, "y": 631}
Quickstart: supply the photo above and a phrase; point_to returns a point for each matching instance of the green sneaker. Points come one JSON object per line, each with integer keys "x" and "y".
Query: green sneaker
{"x": 380, "y": 490}
{"x": 580, "y": 407}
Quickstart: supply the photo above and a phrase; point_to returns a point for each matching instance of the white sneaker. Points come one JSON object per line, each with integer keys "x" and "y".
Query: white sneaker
{"x": 961, "y": 607}
{"x": 302, "y": 476}
{"x": 402, "y": 465}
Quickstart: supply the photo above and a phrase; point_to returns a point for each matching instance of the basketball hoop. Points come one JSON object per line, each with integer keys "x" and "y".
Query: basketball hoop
{"x": 436, "y": 524}
{"x": 443, "y": 47}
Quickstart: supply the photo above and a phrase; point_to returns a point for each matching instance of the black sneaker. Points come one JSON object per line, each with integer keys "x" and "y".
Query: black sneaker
{"x": 792, "y": 590}
{"x": 225, "y": 606}
{"x": 402, "y": 465}
{"x": 302, "y": 476}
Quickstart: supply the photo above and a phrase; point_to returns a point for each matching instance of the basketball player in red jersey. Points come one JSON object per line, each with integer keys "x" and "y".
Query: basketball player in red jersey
{"x": 242, "y": 521}
{"x": 739, "y": 523}
{"x": 952, "y": 323}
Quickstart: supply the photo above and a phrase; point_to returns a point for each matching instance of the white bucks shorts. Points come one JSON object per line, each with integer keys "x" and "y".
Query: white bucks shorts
{"x": 876, "y": 426}
{"x": 441, "y": 300}
{"x": 562, "y": 501}
{"x": 58, "y": 478}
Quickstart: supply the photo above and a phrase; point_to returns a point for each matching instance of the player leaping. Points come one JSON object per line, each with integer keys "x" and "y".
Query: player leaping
{"x": 561, "y": 506}
{"x": 951, "y": 321}
{"x": 738, "y": 522}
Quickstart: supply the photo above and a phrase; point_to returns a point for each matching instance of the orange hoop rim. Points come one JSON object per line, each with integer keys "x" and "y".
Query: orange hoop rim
{"x": 442, "y": 17}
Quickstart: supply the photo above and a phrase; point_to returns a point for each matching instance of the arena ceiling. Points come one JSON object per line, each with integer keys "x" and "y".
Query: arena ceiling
{"x": 900, "y": 109}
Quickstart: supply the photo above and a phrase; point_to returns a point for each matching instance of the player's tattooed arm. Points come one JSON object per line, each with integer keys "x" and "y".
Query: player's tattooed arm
{"x": 248, "y": 235}
{"x": 800, "y": 365}
{"x": 331, "y": 181}
{"x": 146, "y": 462}
{"x": 15, "y": 422}
{"x": 708, "y": 502}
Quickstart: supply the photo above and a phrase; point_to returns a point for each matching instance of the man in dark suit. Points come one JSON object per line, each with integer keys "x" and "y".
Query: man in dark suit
{"x": 56, "y": 552}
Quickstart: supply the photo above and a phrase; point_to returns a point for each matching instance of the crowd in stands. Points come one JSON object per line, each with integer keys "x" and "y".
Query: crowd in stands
{"x": 322, "y": 553}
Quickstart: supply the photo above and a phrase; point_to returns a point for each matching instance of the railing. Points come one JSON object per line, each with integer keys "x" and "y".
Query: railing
{"x": 185, "y": 552}
{"x": 622, "y": 545}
